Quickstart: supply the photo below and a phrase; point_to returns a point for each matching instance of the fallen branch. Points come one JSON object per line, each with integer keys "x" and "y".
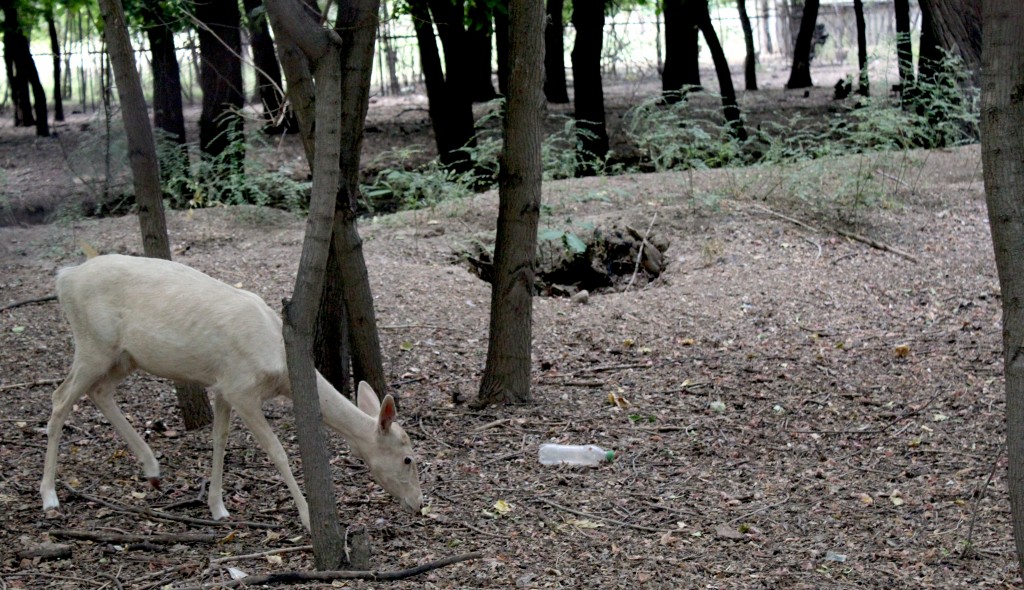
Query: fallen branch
{"x": 875, "y": 244}
{"x": 327, "y": 576}
{"x": 28, "y": 302}
{"x": 159, "y": 514}
{"x": 604, "y": 518}
{"x": 848, "y": 234}
{"x": 640, "y": 253}
{"x": 605, "y": 368}
{"x": 35, "y": 383}
{"x": 130, "y": 538}
{"x": 261, "y": 554}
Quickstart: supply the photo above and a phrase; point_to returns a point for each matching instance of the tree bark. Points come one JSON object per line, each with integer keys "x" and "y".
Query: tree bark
{"x": 1002, "y": 151}
{"x": 555, "y": 88}
{"x": 220, "y": 48}
{"x": 682, "y": 49}
{"x": 864, "y": 84}
{"x": 956, "y": 25}
{"x": 58, "y": 98}
{"x": 904, "y": 57}
{"x": 323, "y": 50}
{"x": 930, "y": 54}
{"x": 507, "y": 372}
{"x": 588, "y": 92}
{"x": 193, "y": 403}
{"x": 800, "y": 74}
{"x": 501, "y": 46}
{"x": 750, "y": 62}
{"x": 168, "y": 115}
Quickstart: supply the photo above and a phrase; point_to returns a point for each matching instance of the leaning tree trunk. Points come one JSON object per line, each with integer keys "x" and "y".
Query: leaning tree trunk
{"x": 750, "y": 62}
{"x": 800, "y": 74}
{"x": 863, "y": 86}
{"x": 58, "y": 98}
{"x": 507, "y": 371}
{"x": 192, "y": 401}
{"x": 555, "y": 88}
{"x": 588, "y": 93}
{"x": 1002, "y": 151}
{"x": 220, "y": 49}
{"x": 904, "y": 57}
{"x": 730, "y": 108}
{"x": 358, "y": 30}
{"x": 682, "y": 49}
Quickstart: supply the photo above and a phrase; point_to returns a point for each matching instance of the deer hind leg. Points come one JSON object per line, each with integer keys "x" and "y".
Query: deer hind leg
{"x": 253, "y": 417}
{"x": 85, "y": 376}
{"x": 221, "y": 423}
{"x": 102, "y": 395}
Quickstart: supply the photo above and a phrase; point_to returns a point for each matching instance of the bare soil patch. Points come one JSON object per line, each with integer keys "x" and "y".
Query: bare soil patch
{"x": 798, "y": 409}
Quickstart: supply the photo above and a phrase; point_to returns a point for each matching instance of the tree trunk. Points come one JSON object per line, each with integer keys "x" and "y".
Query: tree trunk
{"x": 451, "y": 112}
{"x": 323, "y": 50}
{"x": 22, "y": 73}
{"x": 1002, "y": 151}
{"x": 192, "y": 401}
{"x": 507, "y": 372}
{"x": 930, "y": 54}
{"x": 168, "y": 115}
{"x": 357, "y": 28}
{"x": 478, "y": 52}
{"x": 765, "y": 28}
{"x": 863, "y": 86}
{"x": 682, "y": 49}
{"x": 330, "y": 333}
{"x": 730, "y": 108}
{"x": 588, "y": 92}
{"x": 220, "y": 48}
{"x": 277, "y": 117}
{"x": 904, "y": 57}
{"x": 555, "y": 88}
{"x": 957, "y": 28}
{"x": 58, "y": 98}
{"x": 750, "y": 62}
{"x": 800, "y": 74}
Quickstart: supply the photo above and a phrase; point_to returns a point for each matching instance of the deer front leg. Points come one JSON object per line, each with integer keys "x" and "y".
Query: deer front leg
{"x": 221, "y": 422}
{"x": 257, "y": 423}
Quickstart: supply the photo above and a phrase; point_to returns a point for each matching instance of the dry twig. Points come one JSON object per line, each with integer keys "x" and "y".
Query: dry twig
{"x": 28, "y": 302}
{"x": 327, "y": 576}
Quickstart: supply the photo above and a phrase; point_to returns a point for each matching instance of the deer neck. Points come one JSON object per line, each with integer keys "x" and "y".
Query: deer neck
{"x": 355, "y": 425}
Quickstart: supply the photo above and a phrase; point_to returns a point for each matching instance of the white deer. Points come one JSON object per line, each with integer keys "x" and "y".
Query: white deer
{"x": 176, "y": 322}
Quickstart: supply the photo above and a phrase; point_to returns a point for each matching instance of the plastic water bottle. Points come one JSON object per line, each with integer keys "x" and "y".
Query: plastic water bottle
{"x": 554, "y": 454}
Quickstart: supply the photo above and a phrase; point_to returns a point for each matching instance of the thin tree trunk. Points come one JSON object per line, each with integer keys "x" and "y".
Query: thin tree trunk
{"x": 18, "y": 57}
{"x": 501, "y": 45}
{"x": 555, "y": 88}
{"x": 193, "y": 403}
{"x": 904, "y": 57}
{"x": 864, "y": 84}
{"x": 800, "y": 74}
{"x": 298, "y": 30}
{"x": 507, "y": 372}
{"x": 765, "y": 28}
{"x": 1002, "y": 151}
{"x": 730, "y": 108}
{"x": 750, "y": 62}
{"x": 682, "y": 49}
{"x": 588, "y": 92}
{"x": 58, "y": 98}
{"x": 357, "y": 28}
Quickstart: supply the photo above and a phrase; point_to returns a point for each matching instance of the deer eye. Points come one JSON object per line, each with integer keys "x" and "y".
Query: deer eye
{"x": 408, "y": 460}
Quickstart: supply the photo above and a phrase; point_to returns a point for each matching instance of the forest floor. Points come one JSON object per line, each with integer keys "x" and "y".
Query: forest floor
{"x": 790, "y": 406}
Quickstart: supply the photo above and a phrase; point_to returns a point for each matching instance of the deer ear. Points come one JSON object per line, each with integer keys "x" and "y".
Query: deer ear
{"x": 387, "y": 413}
{"x": 366, "y": 399}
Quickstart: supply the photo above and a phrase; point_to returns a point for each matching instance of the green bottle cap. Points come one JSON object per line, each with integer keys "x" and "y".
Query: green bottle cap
{"x": 610, "y": 455}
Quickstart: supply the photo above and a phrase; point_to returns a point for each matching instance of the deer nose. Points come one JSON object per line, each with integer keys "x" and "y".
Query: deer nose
{"x": 412, "y": 506}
